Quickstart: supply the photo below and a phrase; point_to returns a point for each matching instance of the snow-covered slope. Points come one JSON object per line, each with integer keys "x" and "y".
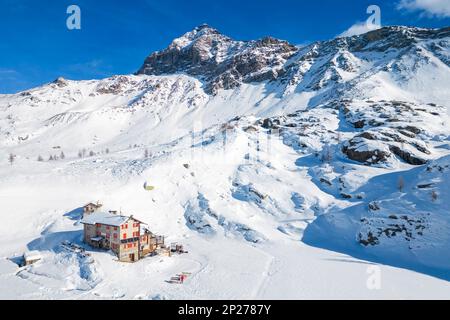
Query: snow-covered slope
{"x": 268, "y": 159}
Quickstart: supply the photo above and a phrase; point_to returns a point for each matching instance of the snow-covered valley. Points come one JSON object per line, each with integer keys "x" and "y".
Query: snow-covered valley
{"x": 287, "y": 172}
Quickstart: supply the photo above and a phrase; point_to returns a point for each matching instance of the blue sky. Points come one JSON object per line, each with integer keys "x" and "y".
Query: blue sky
{"x": 116, "y": 36}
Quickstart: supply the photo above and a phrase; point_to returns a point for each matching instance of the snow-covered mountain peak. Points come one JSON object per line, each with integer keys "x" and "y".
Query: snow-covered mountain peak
{"x": 219, "y": 61}
{"x": 202, "y": 32}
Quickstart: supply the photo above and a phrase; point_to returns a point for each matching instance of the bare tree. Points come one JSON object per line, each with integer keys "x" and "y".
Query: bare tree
{"x": 83, "y": 152}
{"x": 434, "y": 196}
{"x": 107, "y": 150}
{"x": 62, "y": 155}
{"x": 80, "y": 154}
{"x": 11, "y": 158}
{"x": 146, "y": 154}
{"x": 401, "y": 184}
{"x": 50, "y": 158}
{"x": 40, "y": 159}
{"x": 91, "y": 153}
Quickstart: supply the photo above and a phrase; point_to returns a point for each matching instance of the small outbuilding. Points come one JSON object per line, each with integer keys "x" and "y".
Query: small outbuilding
{"x": 91, "y": 208}
{"x": 31, "y": 257}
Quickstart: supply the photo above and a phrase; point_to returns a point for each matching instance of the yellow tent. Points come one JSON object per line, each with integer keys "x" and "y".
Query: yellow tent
{"x": 148, "y": 188}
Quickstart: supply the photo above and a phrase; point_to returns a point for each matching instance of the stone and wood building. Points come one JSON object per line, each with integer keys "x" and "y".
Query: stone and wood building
{"x": 124, "y": 235}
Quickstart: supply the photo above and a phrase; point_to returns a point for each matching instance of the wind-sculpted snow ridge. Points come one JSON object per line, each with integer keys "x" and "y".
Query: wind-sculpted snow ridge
{"x": 278, "y": 167}
{"x": 201, "y": 218}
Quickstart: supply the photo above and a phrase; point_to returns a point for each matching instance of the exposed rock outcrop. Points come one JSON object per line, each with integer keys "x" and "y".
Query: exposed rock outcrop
{"x": 218, "y": 60}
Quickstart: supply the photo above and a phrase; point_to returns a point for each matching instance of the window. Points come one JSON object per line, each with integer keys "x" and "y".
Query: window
{"x": 130, "y": 245}
{"x": 115, "y": 235}
{"x": 125, "y": 226}
{"x": 115, "y": 228}
{"x": 108, "y": 227}
{"x": 108, "y": 236}
{"x": 124, "y": 236}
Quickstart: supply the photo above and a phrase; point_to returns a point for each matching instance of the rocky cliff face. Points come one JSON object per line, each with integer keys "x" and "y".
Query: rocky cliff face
{"x": 222, "y": 63}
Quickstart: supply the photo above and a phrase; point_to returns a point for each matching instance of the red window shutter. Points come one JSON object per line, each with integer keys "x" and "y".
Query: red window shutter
{"x": 124, "y": 235}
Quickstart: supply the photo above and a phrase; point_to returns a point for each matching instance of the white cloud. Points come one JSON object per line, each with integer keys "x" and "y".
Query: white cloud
{"x": 357, "y": 29}
{"x": 438, "y": 8}
{"x": 4, "y": 71}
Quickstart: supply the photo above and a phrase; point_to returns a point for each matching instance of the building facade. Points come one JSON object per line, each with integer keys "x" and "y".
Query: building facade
{"x": 124, "y": 235}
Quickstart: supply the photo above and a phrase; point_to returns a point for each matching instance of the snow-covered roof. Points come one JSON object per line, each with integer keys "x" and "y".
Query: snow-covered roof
{"x": 144, "y": 229}
{"x": 32, "y": 255}
{"x": 98, "y": 205}
{"x": 106, "y": 218}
